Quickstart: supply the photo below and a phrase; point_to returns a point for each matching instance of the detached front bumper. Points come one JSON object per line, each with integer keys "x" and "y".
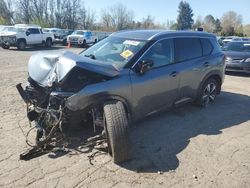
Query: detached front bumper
{"x": 238, "y": 67}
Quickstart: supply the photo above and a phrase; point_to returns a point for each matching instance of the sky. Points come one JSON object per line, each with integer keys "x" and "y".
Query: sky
{"x": 163, "y": 10}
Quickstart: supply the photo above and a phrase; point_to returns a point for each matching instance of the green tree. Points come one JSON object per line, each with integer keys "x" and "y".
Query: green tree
{"x": 185, "y": 17}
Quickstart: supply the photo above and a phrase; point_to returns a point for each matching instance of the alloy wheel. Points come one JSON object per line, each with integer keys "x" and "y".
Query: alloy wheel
{"x": 209, "y": 94}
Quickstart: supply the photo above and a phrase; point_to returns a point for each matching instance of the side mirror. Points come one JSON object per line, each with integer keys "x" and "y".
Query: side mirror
{"x": 27, "y": 33}
{"x": 145, "y": 66}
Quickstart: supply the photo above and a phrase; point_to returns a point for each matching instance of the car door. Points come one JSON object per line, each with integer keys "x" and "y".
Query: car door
{"x": 34, "y": 36}
{"x": 191, "y": 65}
{"x": 158, "y": 87}
{"x": 88, "y": 36}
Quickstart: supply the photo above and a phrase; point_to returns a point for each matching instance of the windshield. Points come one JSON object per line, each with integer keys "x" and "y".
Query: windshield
{"x": 114, "y": 50}
{"x": 237, "y": 46}
{"x": 78, "y": 32}
{"x": 20, "y": 30}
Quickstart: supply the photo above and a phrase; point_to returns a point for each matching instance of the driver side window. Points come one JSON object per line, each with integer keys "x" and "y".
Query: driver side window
{"x": 161, "y": 53}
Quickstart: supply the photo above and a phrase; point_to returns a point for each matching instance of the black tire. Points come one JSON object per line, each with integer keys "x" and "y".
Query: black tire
{"x": 21, "y": 45}
{"x": 117, "y": 131}
{"x": 95, "y": 41}
{"x": 48, "y": 43}
{"x": 208, "y": 92}
{"x": 84, "y": 44}
{"x": 5, "y": 46}
{"x": 65, "y": 42}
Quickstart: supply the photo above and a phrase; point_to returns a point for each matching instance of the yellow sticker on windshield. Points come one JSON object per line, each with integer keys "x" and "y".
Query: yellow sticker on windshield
{"x": 126, "y": 54}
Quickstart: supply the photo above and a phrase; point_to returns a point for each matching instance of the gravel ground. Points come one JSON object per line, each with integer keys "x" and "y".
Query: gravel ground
{"x": 186, "y": 147}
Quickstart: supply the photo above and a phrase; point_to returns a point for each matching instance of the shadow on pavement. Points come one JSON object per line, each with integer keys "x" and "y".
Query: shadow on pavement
{"x": 157, "y": 140}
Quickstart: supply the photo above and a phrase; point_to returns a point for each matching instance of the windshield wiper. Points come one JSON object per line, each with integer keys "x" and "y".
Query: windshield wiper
{"x": 90, "y": 56}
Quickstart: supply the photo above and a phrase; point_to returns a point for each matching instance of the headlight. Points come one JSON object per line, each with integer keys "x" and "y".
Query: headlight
{"x": 247, "y": 60}
{"x": 228, "y": 59}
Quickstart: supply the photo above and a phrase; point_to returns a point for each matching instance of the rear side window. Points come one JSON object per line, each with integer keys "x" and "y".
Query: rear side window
{"x": 216, "y": 45}
{"x": 187, "y": 48}
{"x": 206, "y": 46}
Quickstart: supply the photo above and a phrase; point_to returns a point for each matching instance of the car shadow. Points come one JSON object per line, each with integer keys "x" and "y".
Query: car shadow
{"x": 158, "y": 140}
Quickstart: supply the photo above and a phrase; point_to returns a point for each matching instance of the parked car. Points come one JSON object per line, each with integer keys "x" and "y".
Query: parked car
{"x": 82, "y": 38}
{"x": 6, "y": 28}
{"x": 68, "y": 31}
{"x": 101, "y": 34}
{"x": 23, "y": 35}
{"x": 237, "y": 56}
{"x": 60, "y": 35}
{"x": 123, "y": 78}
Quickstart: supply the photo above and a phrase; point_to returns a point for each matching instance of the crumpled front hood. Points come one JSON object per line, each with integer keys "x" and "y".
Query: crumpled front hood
{"x": 46, "y": 68}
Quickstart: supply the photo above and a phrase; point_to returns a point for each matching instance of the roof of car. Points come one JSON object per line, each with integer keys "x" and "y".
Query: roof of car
{"x": 158, "y": 34}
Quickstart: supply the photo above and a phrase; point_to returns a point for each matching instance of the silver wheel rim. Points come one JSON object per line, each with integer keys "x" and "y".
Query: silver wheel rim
{"x": 209, "y": 94}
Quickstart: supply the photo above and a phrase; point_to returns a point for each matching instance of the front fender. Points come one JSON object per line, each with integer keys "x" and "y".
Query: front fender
{"x": 77, "y": 103}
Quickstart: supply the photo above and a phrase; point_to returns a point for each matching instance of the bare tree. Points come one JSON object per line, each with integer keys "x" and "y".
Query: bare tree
{"x": 209, "y": 23}
{"x": 198, "y": 23}
{"x": 246, "y": 30}
{"x": 106, "y": 20}
{"x": 87, "y": 18}
{"x": 24, "y": 11}
{"x": 6, "y": 13}
{"x": 117, "y": 17}
{"x": 230, "y": 22}
{"x": 148, "y": 22}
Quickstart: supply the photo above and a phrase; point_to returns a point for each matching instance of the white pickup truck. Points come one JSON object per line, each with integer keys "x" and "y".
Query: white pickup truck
{"x": 82, "y": 38}
{"x": 23, "y": 35}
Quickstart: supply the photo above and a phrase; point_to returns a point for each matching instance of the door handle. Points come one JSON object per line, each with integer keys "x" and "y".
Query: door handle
{"x": 174, "y": 73}
{"x": 206, "y": 64}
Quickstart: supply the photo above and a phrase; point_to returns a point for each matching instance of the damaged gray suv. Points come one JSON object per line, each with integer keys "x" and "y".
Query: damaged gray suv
{"x": 121, "y": 79}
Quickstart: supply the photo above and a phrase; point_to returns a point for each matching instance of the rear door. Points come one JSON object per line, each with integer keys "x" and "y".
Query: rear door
{"x": 192, "y": 64}
{"x": 157, "y": 88}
